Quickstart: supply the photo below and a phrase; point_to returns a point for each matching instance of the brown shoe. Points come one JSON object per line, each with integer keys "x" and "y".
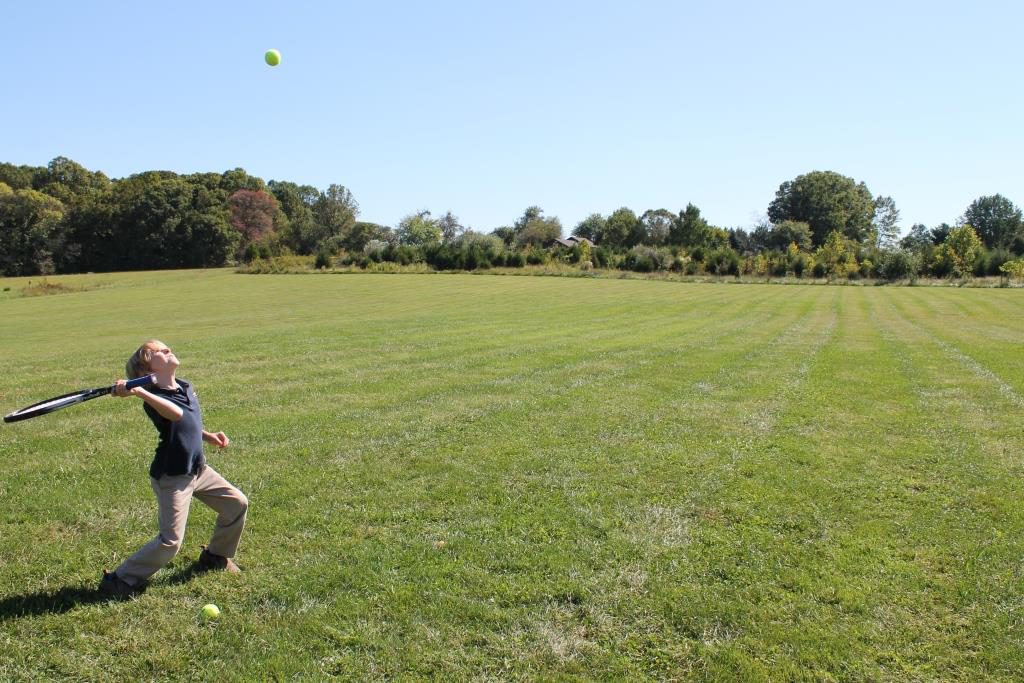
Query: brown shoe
{"x": 116, "y": 587}
{"x": 212, "y": 562}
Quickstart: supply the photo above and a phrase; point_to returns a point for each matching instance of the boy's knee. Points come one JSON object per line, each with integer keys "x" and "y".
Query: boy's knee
{"x": 170, "y": 545}
{"x": 243, "y": 504}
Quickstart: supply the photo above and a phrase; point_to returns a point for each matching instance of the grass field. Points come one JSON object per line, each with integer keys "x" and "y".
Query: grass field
{"x": 470, "y": 477}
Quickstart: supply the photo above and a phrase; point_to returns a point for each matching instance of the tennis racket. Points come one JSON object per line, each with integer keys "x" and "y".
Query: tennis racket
{"x": 58, "y": 402}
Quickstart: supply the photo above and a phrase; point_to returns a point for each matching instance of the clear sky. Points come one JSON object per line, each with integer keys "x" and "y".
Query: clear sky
{"x": 485, "y": 108}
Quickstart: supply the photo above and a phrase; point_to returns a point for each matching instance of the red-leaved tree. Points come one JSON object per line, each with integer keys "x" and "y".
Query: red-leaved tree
{"x": 252, "y": 215}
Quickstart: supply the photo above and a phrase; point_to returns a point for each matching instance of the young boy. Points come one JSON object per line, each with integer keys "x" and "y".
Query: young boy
{"x": 178, "y": 472}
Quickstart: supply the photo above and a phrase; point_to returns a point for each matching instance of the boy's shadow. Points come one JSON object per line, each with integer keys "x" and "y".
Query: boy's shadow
{"x": 70, "y": 597}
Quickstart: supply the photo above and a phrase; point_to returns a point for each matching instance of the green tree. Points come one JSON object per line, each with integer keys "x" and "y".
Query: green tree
{"x": 296, "y": 202}
{"x": 532, "y": 213}
{"x": 364, "y": 232}
{"x": 996, "y": 220}
{"x": 621, "y": 229}
{"x": 780, "y": 236}
{"x": 450, "y": 227}
{"x": 506, "y": 234}
{"x": 19, "y": 177}
{"x": 940, "y": 232}
{"x": 959, "y": 251}
{"x": 334, "y": 214}
{"x": 418, "y": 229}
{"x": 591, "y": 227}
{"x": 917, "y": 239}
{"x": 161, "y": 220}
{"x": 30, "y": 231}
{"x": 689, "y": 229}
{"x": 532, "y": 228}
{"x": 656, "y": 226}
{"x": 885, "y": 223}
{"x": 837, "y": 255}
{"x": 237, "y": 179}
{"x": 828, "y": 202}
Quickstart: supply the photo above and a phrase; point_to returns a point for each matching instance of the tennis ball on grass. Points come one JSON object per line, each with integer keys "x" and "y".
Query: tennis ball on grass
{"x": 211, "y": 611}
{"x": 272, "y": 57}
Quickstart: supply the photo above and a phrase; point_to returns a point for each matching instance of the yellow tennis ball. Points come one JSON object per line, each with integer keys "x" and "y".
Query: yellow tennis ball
{"x": 272, "y": 57}
{"x": 211, "y": 611}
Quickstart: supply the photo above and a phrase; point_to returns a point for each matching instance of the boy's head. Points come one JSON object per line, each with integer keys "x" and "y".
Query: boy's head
{"x": 140, "y": 364}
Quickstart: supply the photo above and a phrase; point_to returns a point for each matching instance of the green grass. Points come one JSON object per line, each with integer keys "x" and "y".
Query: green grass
{"x": 464, "y": 477}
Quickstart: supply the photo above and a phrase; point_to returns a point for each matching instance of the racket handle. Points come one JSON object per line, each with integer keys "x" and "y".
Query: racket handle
{"x": 139, "y": 382}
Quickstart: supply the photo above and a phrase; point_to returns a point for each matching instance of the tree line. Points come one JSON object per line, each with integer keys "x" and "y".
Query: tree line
{"x": 64, "y": 218}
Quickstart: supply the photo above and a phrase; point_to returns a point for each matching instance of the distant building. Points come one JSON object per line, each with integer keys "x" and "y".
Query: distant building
{"x": 570, "y": 242}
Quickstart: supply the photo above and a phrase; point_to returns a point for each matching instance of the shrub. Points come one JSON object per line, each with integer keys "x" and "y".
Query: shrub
{"x": 897, "y": 265}
{"x": 536, "y": 257}
{"x": 643, "y": 259}
{"x": 990, "y": 263}
{"x": 726, "y": 261}
{"x": 1013, "y": 269}
{"x": 323, "y": 259}
{"x": 603, "y": 257}
{"x": 402, "y": 254}
{"x": 798, "y": 264}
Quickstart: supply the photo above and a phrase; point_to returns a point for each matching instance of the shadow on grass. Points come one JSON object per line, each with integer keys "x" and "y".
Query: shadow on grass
{"x": 70, "y": 597}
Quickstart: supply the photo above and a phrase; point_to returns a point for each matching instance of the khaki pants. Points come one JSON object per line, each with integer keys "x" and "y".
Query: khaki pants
{"x": 174, "y": 495}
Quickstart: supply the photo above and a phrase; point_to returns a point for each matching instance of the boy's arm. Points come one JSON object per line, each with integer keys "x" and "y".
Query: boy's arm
{"x": 161, "y": 405}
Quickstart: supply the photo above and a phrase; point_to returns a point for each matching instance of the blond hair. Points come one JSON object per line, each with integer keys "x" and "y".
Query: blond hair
{"x": 138, "y": 364}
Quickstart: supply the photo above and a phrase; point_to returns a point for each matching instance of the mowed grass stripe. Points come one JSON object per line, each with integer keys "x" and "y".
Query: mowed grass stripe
{"x": 987, "y": 344}
{"x": 964, "y": 479}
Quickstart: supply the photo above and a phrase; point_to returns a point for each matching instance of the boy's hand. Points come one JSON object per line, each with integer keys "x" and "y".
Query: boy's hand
{"x": 120, "y": 391}
{"x": 220, "y": 439}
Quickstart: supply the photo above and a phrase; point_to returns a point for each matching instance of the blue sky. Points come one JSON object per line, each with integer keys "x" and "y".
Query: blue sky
{"x": 487, "y": 108}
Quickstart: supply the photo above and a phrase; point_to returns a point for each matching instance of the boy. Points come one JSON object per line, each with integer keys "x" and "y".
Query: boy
{"x": 178, "y": 472}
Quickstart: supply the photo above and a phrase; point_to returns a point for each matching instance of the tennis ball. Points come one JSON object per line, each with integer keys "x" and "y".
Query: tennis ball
{"x": 272, "y": 57}
{"x": 211, "y": 611}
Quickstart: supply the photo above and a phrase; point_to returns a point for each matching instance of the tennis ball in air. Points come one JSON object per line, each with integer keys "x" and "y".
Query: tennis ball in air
{"x": 211, "y": 611}
{"x": 272, "y": 57}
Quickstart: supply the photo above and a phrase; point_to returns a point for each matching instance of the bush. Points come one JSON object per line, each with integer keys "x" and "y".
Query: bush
{"x": 798, "y": 264}
{"x": 642, "y": 259}
{"x": 536, "y": 257}
{"x": 402, "y": 254}
{"x": 897, "y": 265}
{"x": 990, "y": 262}
{"x": 323, "y": 259}
{"x": 820, "y": 270}
{"x": 278, "y": 264}
{"x": 603, "y": 257}
{"x": 515, "y": 259}
{"x": 726, "y": 261}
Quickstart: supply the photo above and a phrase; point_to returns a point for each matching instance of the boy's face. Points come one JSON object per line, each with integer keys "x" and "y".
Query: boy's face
{"x": 161, "y": 358}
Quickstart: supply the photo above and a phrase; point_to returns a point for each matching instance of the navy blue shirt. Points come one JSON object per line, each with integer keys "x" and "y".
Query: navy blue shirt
{"x": 180, "y": 450}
